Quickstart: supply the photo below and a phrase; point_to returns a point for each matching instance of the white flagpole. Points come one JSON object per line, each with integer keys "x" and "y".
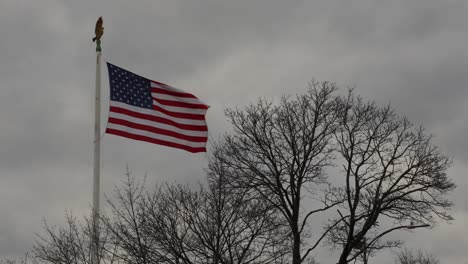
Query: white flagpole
{"x": 97, "y": 158}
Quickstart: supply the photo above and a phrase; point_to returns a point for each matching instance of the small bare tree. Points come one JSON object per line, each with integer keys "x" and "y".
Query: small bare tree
{"x": 176, "y": 224}
{"x": 70, "y": 244}
{"x": 125, "y": 222}
{"x": 407, "y": 256}
{"x": 26, "y": 259}
{"x": 394, "y": 178}
{"x": 216, "y": 225}
{"x": 280, "y": 153}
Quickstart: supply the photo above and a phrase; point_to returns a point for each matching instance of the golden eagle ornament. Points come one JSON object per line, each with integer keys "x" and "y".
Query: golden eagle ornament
{"x": 98, "y": 30}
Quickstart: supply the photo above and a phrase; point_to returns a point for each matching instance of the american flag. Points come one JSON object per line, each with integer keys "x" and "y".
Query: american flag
{"x": 146, "y": 110}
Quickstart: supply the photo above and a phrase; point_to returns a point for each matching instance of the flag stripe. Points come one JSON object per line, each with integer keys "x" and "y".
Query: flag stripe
{"x": 180, "y": 104}
{"x": 184, "y": 115}
{"x": 176, "y": 109}
{"x": 177, "y": 98}
{"x": 197, "y": 124}
{"x": 142, "y": 119}
{"x": 155, "y": 141}
{"x": 157, "y": 130}
{"x": 145, "y": 119}
{"x": 173, "y": 93}
{"x": 156, "y": 84}
{"x": 156, "y": 136}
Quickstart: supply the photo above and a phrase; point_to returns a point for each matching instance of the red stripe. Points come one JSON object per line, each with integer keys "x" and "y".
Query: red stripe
{"x": 179, "y": 115}
{"x": 180, "y": 104}
{"x": 161, "y": 84}
{"x": 155, "y": 141}
{"x": 157, "y": 119}
{"x": 173, "y": 93}
{"x": 156, "y": 130}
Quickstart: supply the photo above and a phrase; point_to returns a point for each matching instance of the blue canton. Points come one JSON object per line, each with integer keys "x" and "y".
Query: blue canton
{"x": 129, "y": 88}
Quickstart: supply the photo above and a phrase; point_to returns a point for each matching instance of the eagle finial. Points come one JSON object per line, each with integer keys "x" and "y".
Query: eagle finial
{"x": 98, "y": 30}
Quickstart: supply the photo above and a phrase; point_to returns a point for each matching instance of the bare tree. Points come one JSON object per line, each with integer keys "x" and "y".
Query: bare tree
{"x": 125, "y": 222}
{"x": 280, "y": 152}
{"x": 394, "y": 178}
{"x": 176, "y": 224}
{"x": 216, "y": 225}
{"x": 70, "y": 244}
{"x": 26, "y": 259}
{"x": 173, "y": 224}
{"x": 407, "y": 256}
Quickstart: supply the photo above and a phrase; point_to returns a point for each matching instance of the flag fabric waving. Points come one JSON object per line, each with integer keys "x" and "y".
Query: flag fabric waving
{"x": 146, "y": 110}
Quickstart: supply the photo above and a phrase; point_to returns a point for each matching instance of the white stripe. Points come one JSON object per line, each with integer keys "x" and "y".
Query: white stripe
{"x": 170, "y": 88}
{"x": 152, "y": 112}
{"x": 167, "y": 87}
{"x": 177, "y": 109}
{"x": 159, "y": 125}
{"x": 157, "y": 136}
{"x": 177, "y": 98}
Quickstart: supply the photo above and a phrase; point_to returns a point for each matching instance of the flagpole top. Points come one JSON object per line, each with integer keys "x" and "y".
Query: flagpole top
{"x": 98, "y": 45}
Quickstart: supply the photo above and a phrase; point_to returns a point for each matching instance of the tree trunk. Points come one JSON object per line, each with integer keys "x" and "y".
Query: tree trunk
{"x": 295, "y": 229}
{"x": 344, "y": 256}
{"x": 296, "y": 247}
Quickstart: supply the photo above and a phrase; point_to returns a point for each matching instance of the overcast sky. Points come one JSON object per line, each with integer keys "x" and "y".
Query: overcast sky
{"x": 412, "y": 53}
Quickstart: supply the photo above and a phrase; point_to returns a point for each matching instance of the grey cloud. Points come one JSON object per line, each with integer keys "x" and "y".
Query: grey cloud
{"x": 411, "y": 53}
